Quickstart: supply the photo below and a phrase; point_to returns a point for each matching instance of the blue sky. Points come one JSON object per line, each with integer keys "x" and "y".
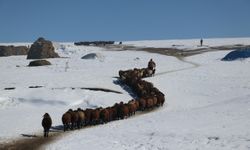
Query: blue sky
{"x": 119, "y": 20}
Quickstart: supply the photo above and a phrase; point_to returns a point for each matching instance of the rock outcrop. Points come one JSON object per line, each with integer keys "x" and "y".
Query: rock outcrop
{"x": 90, "y": 56}
{"x": 39, "y": 63}
{"x": 237, "y": 54}
{"x": 13, "y": 50}
{"x": 41, "y": 49}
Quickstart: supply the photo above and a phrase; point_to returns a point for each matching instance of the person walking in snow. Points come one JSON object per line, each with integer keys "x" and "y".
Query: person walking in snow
{"x": 201, "y": 42}
{"x": 151, "y": 66}
{"x": 46, "y": 123}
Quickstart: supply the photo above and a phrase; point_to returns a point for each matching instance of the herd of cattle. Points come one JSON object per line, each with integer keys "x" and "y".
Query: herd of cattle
{"x": 149, "y": 97}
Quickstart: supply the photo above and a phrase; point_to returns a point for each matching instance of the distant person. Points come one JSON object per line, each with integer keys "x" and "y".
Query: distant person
{"x": 46, "y": 123}
{"x": 151, "y": 64}
{"x": 201, "y": 42}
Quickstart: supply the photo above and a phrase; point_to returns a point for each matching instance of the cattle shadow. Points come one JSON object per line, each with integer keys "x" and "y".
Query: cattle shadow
{"x": 29, "y": 135}
{"x": 58, "y": 128}
{"x": 41, "y": 102}
{"x": 125, "y": 87}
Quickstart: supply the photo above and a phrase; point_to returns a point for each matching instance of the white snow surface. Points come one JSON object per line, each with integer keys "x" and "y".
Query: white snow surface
{"x": 190, "y": 44}
{"x": 207, "y": 100}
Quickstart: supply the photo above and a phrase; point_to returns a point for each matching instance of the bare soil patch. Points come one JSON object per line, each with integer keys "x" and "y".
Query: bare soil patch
{"x": 174, "y": 51}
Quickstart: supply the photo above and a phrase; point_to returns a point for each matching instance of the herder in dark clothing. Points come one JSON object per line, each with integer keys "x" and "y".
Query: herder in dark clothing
{"x": 46, "y": 123}
{"x": 201, "y": 42}
{"x": 151, "y": 65}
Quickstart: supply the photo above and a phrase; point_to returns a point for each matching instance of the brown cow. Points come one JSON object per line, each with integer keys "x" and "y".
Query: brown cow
{"x": 132, "y": 108}
{"x": 136, "y": 102}
{"x": 110, "y": 111}
{"x": 154, "y": 91}
{"x": 154, "y": 101}
{"x": 118, "y": 108}
{"x": 114, "y": 112}
{"x": 149, "y": 103}
{"x": 142, "y": 104}
{"x": 88, "y": 116}
{"x": 148, "y": 72}
{"x": 160, "y": 98}
{"x": 74, "y": 118}
{"x": 46, "y": 123}
{"x": 124, "y": 111}
{"x": 104, "y": 116}
{"x": 81, "y": 118}
{"x": 143, "y": 93}
{"x": 95, "y": 116}
{"x": 66, "y": 120}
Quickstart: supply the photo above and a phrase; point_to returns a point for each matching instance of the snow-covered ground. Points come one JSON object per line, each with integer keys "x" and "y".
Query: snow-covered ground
{"x": 190, "y": 43}
{"x": 207, "y": 105}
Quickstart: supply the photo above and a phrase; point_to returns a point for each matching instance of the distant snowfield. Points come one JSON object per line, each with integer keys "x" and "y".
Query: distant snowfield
{"x": 190, "y": 43}
{"x": 207, "y": 106}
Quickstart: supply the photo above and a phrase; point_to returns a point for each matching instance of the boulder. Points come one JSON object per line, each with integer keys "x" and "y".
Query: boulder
{"x": 39, "y": 63}
{"x": 90, "y": 56}
{"x": 20, "y": 50}
{"x": 41, "y": 49}
{"x": 93, "y": 56}
{"x": 237, "y": 54}
{"x": 13, "y": 50}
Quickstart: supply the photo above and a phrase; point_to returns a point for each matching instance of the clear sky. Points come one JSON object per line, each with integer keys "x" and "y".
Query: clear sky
{"x": 119, "y": 20}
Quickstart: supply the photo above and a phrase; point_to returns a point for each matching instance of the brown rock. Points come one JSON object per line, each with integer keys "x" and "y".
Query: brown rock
{"x": 13, "y": 50}
{"x": 39, "y": 63}
{"x": 41, "y": 49}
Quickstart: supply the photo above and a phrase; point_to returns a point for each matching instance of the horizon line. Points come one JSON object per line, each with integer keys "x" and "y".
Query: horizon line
{"x": 162, "y": 39}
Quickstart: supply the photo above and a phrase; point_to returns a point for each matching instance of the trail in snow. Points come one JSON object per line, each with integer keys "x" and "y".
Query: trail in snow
{"x": 194, "y": 65}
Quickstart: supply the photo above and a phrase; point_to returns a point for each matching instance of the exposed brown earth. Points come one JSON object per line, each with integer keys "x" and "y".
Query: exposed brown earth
{"x": 174, "y": 51}
{"x": 29, "y": 142}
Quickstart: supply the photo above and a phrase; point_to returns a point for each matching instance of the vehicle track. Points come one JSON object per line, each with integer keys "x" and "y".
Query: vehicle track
{"x": 193, "y": 65}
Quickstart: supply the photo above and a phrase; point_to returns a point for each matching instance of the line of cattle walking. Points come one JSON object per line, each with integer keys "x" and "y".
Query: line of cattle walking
{"x": 149, "y": 97}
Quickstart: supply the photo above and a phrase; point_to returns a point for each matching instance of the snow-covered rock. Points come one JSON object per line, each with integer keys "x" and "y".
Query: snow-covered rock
{"x": 237, "y": 54}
